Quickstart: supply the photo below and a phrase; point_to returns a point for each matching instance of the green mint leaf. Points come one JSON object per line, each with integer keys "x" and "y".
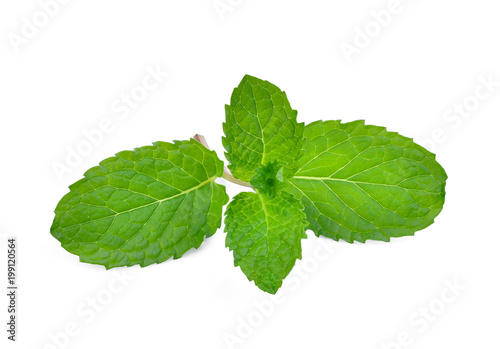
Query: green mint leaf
{"x": 265, "y": 236}
{"x": 360, "y": 182}
{"x": 269, "y": 179}
{"x": 260, "y": 127}
{"x": 143, "y": 206}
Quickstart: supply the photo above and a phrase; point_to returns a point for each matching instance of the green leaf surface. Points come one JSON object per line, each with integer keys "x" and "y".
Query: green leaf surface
{"x": 360, "y": 182}
{"x": 269, "y": 179}
{"x": 265, "y": 236}
{"x": 143, "y": 206}
{"x": 260, "y": 127}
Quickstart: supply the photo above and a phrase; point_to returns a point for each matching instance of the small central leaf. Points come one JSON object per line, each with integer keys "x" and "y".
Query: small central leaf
{"x": 269, "y": 178}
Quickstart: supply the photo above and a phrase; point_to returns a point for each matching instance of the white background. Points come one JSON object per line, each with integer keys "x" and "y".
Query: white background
{"x": 64, "y": 79}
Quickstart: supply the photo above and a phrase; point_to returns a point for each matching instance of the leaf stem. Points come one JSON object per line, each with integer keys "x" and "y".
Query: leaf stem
{"x": 199, "y": 138}
{"x": 229, "y": 177}
{"x": 227, "y": 174}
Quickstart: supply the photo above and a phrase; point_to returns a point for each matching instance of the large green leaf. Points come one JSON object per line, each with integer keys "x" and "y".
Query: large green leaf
{"x": 260, "y": 127}
{"x": 362, "y": 182}
{"x": 264, "y": 234}
{"x": 143, "y": 206}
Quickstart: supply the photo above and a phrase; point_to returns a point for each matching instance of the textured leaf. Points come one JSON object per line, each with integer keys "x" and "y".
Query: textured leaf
{"x": 260, "y": 127}
{"x": 143, "y": 206}
{"x": 265, "y": 236}
{"x": 269, "y": 179}
{"x": 361, "y": 182}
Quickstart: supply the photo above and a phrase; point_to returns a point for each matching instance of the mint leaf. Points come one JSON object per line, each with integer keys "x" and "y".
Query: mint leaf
{"x": 360, "y": 182}
{"x": 269, "y": 179}
{"x": 260, "y": 127}
{"x": 265, "y": 234}
{"x": 143, "y": 206}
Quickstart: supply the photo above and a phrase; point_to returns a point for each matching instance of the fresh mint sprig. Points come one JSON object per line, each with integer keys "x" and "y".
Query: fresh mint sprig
{"x": 346, "y": 181}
